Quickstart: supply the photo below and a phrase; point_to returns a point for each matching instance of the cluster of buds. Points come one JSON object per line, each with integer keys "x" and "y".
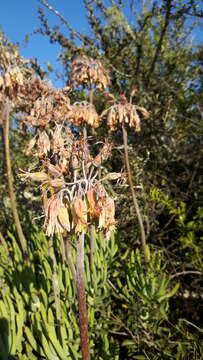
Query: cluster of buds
{"x": 85, "y": 70}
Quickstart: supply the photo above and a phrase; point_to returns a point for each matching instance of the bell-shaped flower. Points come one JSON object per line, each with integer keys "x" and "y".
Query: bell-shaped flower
{"x": 79, "y": 215}
{"x": 56, "y": 216}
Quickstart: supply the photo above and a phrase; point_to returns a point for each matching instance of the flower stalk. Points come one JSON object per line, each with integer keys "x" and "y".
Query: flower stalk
{"x": 11, "y": 191}
{"x": 134, "y": 197}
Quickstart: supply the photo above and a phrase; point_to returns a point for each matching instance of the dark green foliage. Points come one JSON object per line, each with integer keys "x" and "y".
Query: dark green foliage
{"x": 128, "y": 305}
{"x": 31, "y": 325}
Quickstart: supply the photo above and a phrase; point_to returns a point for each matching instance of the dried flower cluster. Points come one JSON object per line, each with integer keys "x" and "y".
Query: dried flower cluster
{"x": 73, "y": 195}
{"x": 84, "y": 113}
{"x": 42, "y": 103}
{"x": 92, "y": 204}
{"x": 11, "y": 83}
{"x": 125, "y": 113}
{"x": 88, "y": 71}
{"x": 13, "y": 72}
{"x": 13, "y": 69}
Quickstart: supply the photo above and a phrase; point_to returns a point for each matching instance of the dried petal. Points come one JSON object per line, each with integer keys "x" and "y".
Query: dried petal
{"x": 63, "y": 218}
{"x": 103, "y": 155}
{"x": 36, "y": 176}
{"x": 30, "y": 145}
{"x": 107, "y": 216}
{"x": 93, "y": 208}
{"x": 79, "y": 213}
{"x": 112, "y": 176}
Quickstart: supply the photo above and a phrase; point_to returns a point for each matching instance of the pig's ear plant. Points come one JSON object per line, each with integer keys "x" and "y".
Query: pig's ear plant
{"x": 69, "y": 168}
{"x": 69, "y": 164}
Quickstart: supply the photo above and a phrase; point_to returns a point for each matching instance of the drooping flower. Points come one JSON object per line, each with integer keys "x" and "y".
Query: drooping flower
{"x": 107, "y": 215}
{"x": 84, "y": 113}
{"x": 57, "y": 140}
{"x": 56, "y": 216}
{"x": 125, "y": 113}
{"x": 43, "y": 144}
{"x": 79, "y": 214}
{"x": 85, "y": 70}
{"x": 93, "y": 207}
{"x": 35, "y": 176}
{"x": 48, "y": 104}
{"x": 103, "y": 154}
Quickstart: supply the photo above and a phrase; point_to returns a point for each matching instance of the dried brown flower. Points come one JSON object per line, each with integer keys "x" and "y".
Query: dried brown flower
{"x": 86, "y": 70}
{"x": 125, "y": 113}
{"x": 113, "y": 176}
{"x": 57, "y": 140}
{"x": 79, "y": 215}
{"x": 107, "y": 215}
{"x": 41, "y": 103}
{"x": 93, "y": 208}
{"x": 11, "y": 83}
{"x": 103, "y": 155}
{"x": 43, "y": 144}
{"x": 36, "y": 176}
{"x": 56, "y": 216}
{"x": 84, "y": 113}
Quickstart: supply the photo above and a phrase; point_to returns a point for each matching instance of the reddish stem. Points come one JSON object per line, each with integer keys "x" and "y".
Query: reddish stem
{"x": 135, "y": 202}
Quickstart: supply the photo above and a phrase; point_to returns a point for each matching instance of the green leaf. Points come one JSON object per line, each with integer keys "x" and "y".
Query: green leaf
{"x": 128, "y": 342}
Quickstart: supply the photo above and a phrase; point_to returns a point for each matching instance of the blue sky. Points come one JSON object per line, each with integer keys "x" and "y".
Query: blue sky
{"x": 18, "y": 18}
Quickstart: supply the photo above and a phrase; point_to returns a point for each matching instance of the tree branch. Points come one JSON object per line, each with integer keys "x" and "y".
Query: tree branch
{"x": 159, "y": 45}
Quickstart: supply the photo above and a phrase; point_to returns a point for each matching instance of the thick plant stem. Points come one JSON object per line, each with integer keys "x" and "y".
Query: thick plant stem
{"x": 12, "y": 196}
{"x": 135, "y": 202}
{"x": 80, "y": 287}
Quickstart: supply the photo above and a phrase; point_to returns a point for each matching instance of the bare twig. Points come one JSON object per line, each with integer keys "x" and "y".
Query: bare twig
{"x": 186, "y": 273}
{"x": 191, "y": 324}
{"x": 80, "y": 36}
{"x": 160, "y": 42}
